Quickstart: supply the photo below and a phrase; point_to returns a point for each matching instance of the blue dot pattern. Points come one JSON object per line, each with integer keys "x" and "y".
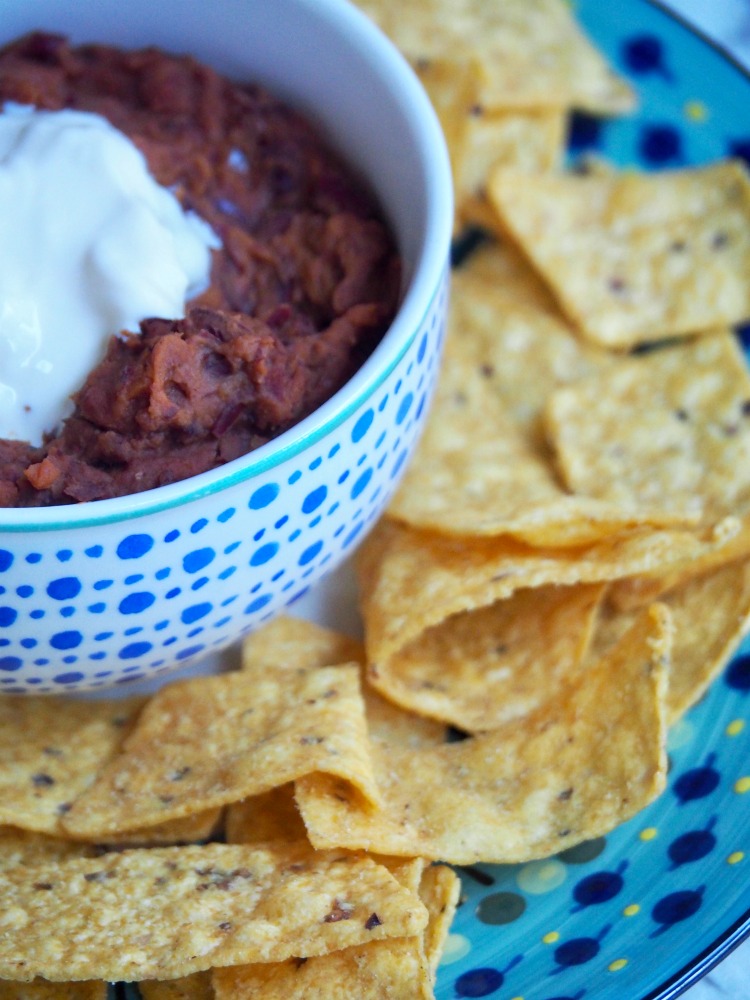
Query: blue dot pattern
{"x": 174, "y": 585}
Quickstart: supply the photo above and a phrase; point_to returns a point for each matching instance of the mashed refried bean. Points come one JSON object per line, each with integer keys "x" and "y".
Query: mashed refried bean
{"x": 302, "y": 288}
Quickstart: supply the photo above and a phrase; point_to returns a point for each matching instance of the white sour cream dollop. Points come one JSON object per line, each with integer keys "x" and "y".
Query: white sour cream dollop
{"x": 90, "y": 245}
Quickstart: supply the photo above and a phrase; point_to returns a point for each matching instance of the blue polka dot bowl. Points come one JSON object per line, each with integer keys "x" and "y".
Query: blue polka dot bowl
{"x": 99, "y": 594}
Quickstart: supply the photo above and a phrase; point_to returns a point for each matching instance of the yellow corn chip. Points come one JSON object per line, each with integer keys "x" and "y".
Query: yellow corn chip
{"x": 392, "y": 968}
{"x": 578, "y": 767}
{"x": 411, "y": 580}
{"x": 51, "y": 749}
{"x": 670, "y": 426}
{"x": 195, "y": 987}
{"x": 294, "y": 642}
{"x": 165, "y": 913}
{"x": 478, "y": 670}
{"x": 482, "y": 466}
{"x": 634, "y": 257}
{"x": 209, "y": 741}
{"x": 527, "y": 53}
{"x": 185, "y": 830}
{"x": 25, "y": 848}
{"x": 440, "y": 891}
{"x": 271, "y": 817}
{"x": 41, "y": 990}
{"x": 711, "y": 615}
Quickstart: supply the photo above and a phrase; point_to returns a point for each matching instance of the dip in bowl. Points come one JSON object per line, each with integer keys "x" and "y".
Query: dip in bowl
{"x": 102, "y": 592}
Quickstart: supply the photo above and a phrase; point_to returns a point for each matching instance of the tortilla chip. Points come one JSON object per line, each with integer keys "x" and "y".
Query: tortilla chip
{"x": 41, "y": 990}
{"x": 711, "y": 615}
{"x": 392, "y": 968}
{"x": 51, "y": 749}
{"x": 527, "y": 53}
{"x": 578, "y": 767}
{"x": 23, "y": 848}
{"x": 295, "y": 642}
{"x": 411, "y": 580}
{"x": 482, "y": 467}
{"x": 671, "y": 426}
{"x": 272, "y": 817}
{"x": 440, "y": 891}
{"x": 209, "y": 741}
{"x": 185, "y": 830}
{"x": 481, "y": 669}
{"x": 165, "y": 913}
{"x": 632, "y": 257}
{"x": 195, "y": 987}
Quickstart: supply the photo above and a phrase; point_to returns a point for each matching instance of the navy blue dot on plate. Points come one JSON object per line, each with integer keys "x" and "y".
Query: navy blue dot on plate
{"x": 263, "y": 496}
{"x": 25, "y": 590}
{"x": 198, "y": 525}
{"x": 422, "y": 349}
{"x": 577, "y": 951}
{"x": 34, "y": 557}
{"x": 183, "y": 654}
{"x": 692, "y": 846}
{"x": 135, "y": 546}
{"x": 738, "y": 673}
{"x": 64, "y": 589}
{"x": 599, "y": 887}
{"x": 501, "y": 908}
{"x": 740, "y": 148}
{"x": 10, "y": 663}
{"x": 7, "y": 617}
{"x": 227, "y": 514}
{"x": 6, "y": 560}
{"x": 698, "y": 782}
{"x": 660, "y": 144}
{"x": 645, "y": 54}
{"x": 94, "y": 551}
{"x": 677, "y": 906}
{"x": 172, "y": 535}
{"x": 479, "y": 982}
{"x": 134, "y": 603}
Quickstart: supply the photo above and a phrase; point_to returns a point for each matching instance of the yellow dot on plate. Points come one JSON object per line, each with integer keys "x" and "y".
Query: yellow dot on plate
{"x": 735, "y": 857}
{"x": 742, "y": 785}
{"x": 619, "y": 963}
{"x": 735, "y": 728}
{"x": 650, "y": 833}
{"x": 551, "y": 937}
{"x": 630, "y": 911}
{"x": 696, "y": 111}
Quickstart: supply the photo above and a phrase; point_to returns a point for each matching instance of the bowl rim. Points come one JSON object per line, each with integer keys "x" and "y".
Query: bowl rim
{"x": 424, "y": 286}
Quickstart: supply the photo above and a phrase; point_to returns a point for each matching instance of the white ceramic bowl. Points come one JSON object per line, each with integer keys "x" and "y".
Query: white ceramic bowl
{"x": 97, "y": 594}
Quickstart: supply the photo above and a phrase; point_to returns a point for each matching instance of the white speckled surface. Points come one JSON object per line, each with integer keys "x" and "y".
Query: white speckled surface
{"x": 728, "y": 23}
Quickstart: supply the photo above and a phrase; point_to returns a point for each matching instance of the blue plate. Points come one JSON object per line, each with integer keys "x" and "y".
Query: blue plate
{"x": 646, "y": 911}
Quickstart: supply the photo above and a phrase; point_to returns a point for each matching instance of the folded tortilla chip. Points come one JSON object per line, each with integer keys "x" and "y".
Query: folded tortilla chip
{"x": 411, "y": 580}
{"x": 164, "y": 913}
{"x": 634, "y": 257}
{"x": 23, "y": 848}
{"x": 210, "y": 741}
{"x": 481, "y": 669}
{"x": 711, "y": 616}
{"x": 579, "y": 766}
